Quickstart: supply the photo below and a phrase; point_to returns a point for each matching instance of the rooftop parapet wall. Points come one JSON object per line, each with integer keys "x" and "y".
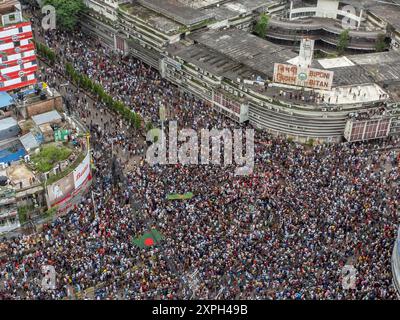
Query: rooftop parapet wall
{"x": 176, "y": 11}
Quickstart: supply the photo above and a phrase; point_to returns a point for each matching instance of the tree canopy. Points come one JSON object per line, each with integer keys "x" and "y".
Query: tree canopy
{"x": 381, "y": 44}
{"x": 67, "y": 12}
{"x": 261, "y": 26}
{"x": 343, "y": 41}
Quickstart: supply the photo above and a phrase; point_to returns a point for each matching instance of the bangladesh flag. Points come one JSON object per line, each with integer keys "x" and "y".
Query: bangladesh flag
{"x": 177, "y": 196}
{"x": 148, "y": 239}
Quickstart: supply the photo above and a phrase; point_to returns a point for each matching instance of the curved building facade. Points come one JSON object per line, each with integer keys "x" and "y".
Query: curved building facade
{"x": 396, "y": 264}
{"x": 324, "y": 31}
{"x": 324, "y": 21}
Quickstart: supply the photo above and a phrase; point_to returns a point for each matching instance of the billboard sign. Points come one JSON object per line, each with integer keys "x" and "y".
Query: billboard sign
{"x": 303, "y": 77}
{"x": 61, "y": 189}
{"x": 82, "y": 172}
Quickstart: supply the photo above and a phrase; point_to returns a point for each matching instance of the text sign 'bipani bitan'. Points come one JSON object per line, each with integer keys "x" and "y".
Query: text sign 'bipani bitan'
{"x": 296, "y": 76}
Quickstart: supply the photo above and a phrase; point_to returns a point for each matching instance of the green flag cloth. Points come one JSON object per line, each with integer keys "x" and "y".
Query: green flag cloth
{"x": 148, "y": 239}
{"x": 177, "y": 196}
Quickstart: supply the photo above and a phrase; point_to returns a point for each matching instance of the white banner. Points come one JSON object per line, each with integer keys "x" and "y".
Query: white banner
{"x": 82, "y": 172}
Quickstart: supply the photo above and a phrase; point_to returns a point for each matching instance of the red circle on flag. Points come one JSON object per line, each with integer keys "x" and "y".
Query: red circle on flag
{"x": 148, "y": 242}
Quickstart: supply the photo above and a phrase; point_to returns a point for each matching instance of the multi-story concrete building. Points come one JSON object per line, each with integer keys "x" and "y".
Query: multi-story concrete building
{"x": 324, "y": 21}
{"x": 101, "y": 21}
{"x": 206, "y": 48}
{"x": 145, "y": 27}
{"x": 17, "y": 53}
{"x": 240, "y": 67}
{"x": 41, "y": 124}
{"x": 8, "y": 209}
{"x": 385, "y": 15}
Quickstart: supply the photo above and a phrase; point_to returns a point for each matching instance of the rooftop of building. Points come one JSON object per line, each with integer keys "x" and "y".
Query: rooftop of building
{"x": 177, "y": 11}
{"x": 20, "y": 174}
{"x": 387, "y": 10}
{"x": 152, "y": 18}
{"x": 234, "y": 54}
{"x": 173, "y": 16}
{"x": 382, "y": 68}
{"x": 319, "y": 23}
{"x": 46, "y": 117}
{"x": 232, "y": 9}
{"x": 8, "y": 6}
{"x": 7, "y": 123}
{"x": 246, "y": 49}
{"x": 198, "y": 4}
{"x": 211, "y": 61}
{"x": 5, "y": 100}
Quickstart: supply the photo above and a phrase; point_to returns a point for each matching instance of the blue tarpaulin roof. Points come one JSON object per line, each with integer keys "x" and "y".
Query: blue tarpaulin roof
{"x": 5, "y": 99}
{"x": 12, "y": 154}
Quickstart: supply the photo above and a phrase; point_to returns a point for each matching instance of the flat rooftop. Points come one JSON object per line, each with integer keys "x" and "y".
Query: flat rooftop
{"x": 213, "y": 62}
{"x": 177, "y": 11}
{"x": 7, "y": 6}
{"x": 386, "y": 11}
{"x": 20, "y": 174}
{"x": 378, "y": 68}
{"x": 197, "y": 4}
{"x": 232, "y": 9}
{"x": 154, "y": 19}
{"x": 375, "y": 58}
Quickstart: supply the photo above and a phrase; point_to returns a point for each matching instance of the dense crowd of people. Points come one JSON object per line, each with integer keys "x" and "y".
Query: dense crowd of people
{"x": 284, "y": 232}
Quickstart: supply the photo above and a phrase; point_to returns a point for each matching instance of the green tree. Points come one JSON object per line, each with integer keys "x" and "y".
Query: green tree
{"x": 380, "y": 44}
{"x": 149, "y": 126}
{"x": 67, "y": 12}
{"x": 261, "y": 26}
{"x": 138, "y": 121}
{"x": 343, "y": 41}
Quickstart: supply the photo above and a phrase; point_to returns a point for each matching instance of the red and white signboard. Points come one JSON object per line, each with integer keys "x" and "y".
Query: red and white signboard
{"x": 63, "y": 191}
{"x": 17, "y": 57}
{"x": 82, "y": 172}
{"x": 303, "y": 77}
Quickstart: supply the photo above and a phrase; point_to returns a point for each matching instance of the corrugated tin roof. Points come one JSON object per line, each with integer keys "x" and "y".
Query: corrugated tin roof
{"x": 29, "y": 141}
{"x": 7, "y": 123}
{"x": 46, "y": 117}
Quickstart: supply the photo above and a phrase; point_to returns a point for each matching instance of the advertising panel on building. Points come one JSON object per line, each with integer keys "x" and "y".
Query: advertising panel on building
{"x": 358, "y": 130}
{"x": 303, "y": 77}
{"x": 60, "y": 190}
{"x": 82, "y": 172}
